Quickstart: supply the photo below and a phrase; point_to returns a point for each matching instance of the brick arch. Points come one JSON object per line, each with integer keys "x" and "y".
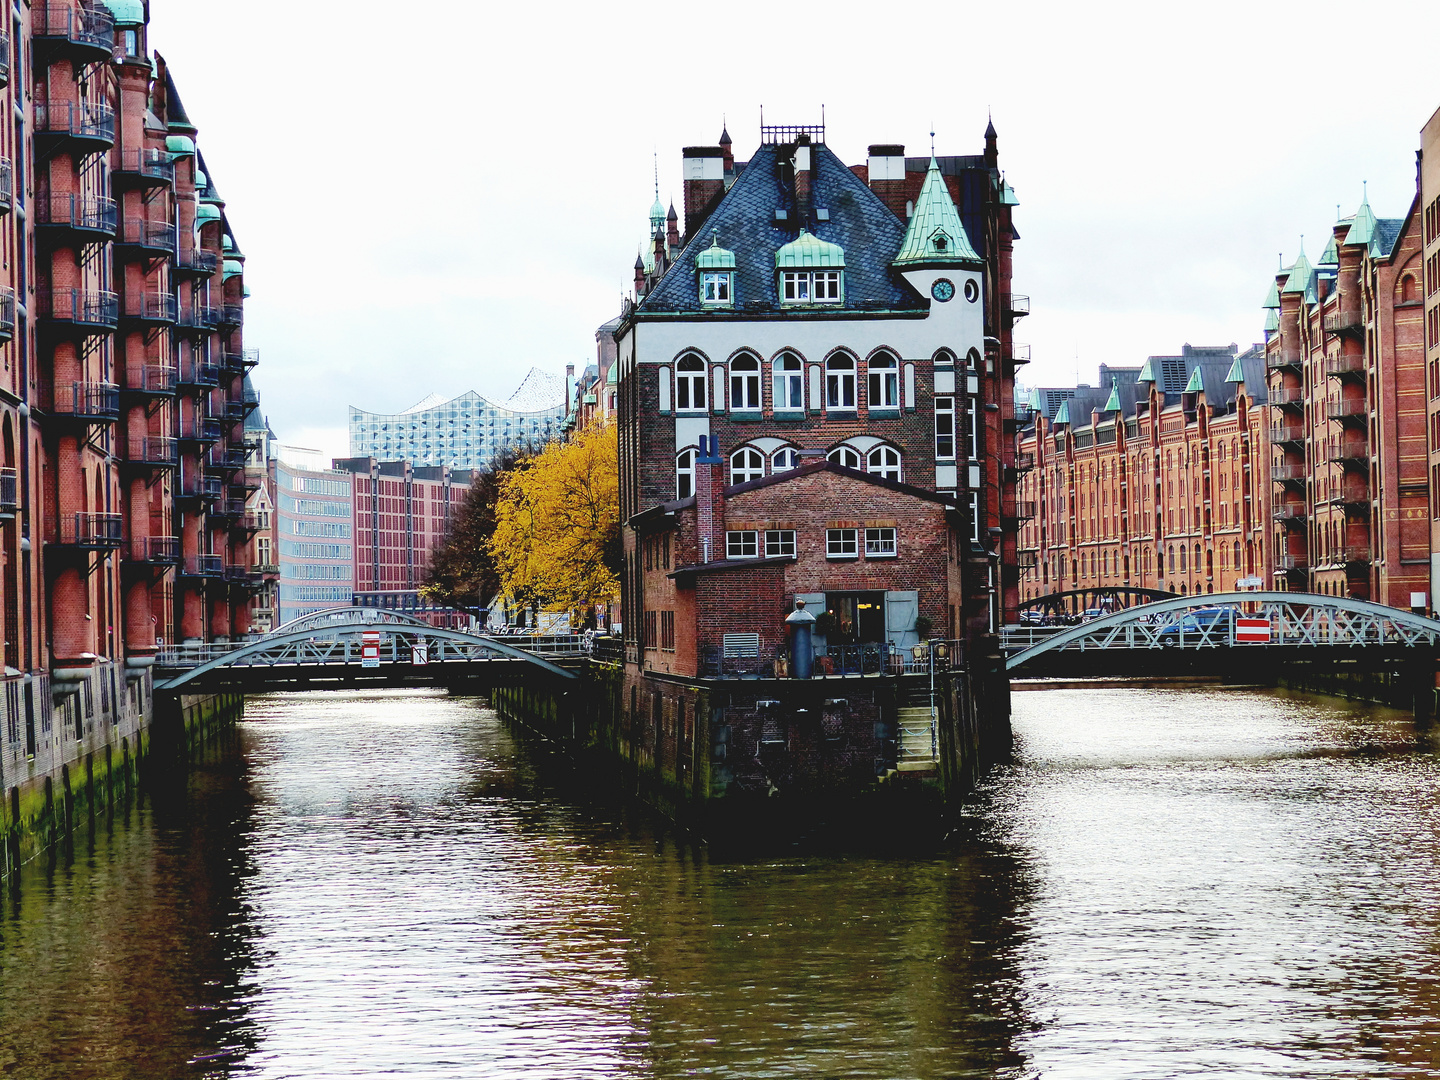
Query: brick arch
{"x": 791, "y": 349}
{"x": 839, "y": 350}
{"x": 743, "y": 350}
{"x": 889, "y": 350}
{"x": 689, "y": 350}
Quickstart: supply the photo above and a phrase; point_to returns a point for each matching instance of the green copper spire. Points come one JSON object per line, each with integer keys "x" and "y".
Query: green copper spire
{"x": 1272, "y": 321}
{"x": 1363, "y": 230}
{"x": 1113, "y": 405}
{"x": 934, "y": 236}
{"x": 1196, "y": 385}
{"x": 1236, "y": 373}
{"x": 1148, "y": 372}
{"x": 1331, "y": 255}
{"x": 1272, "y": 298}
{"x": 1062, "y": 414}
{"x": 1299, "y": 278}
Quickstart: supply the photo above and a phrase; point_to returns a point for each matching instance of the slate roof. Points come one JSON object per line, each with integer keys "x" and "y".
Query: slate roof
{"x": 745, "y": 224}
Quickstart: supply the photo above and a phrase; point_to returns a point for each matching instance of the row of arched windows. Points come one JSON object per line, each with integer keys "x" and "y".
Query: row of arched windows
{"x": 751, "y": 463}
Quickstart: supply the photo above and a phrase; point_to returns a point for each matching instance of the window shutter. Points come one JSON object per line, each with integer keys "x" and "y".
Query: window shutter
{"x": 901, "y": 609}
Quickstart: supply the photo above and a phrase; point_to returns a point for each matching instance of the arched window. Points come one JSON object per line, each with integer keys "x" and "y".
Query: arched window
{"x": 1407, "y": 289}
{"x": 690, "y": 384}
{"x": 1237, "y": 554}
{"x": 1196, "y": 563}
{"x": 745, "y": 384}
{"x": 1209, "y": 564}
{"x": 1182, "y": 556}
{"x": 685, "y": 473}
{"x": 847, "y": 456}
{"x": 747, "y": 463}
{"x": 789, "y": 384}
{"x": 840, "y": 382}
{"x": 972, "y": 359}
{"x": 944, "y": 358}
{"x": 884, "y": 382}
{"x": 787, "y": 457}
{"x": 884, "y": 461}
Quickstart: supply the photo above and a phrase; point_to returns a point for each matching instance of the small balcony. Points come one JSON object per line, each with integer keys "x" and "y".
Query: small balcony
{"x": 1288, "y": 397}
{"x": 1353, "y": 555}
{"x": 84, "y": 402}
{"x": 4, "y": 59}
{"x": 79, "y": 310}
{"x": 199, "y": 374}
{"x": 1287, "y": 434}
{"x": 1289, "y": 563}
{"x": 228, "y": 508}
{"x": 241, "y": 361}
{"x": 1024, "y": 461}
{"x": 153, "y": 451}
{"x": 202, "y": 487}
{"x": 90, "y": 532}
{"x": 149, "y": 309}
{"x": 1019, "y": 306}
{"x": 151, "y": 380}
{"x": 203, "y": 430}
{"x": 9, "y": 494}
{"x": 142, "y": 239}
{"x": 203, "y": 566}
{"x": 80, "y": 32}
{"x": 246, "y": 523}
{"x": 194, "y": 262}
{"x": 243, "y": 576}
{"x": 1283, "y": 361}
{"x": 1027, "y": 558}
{"x": 1345, "y": 366}
{"x": 1293, "y": 512}
{"x": 80, "y": 127}
{"x": 1350, "y": 453}
{"x": 1019, "y": 353}
{"x": 7, "y": 183}
{"x": 1355, "y": 501}
{"x": 7, "y": 314}
{"x": 155, "y": 550}
{"x": 1345, "y": 324}
{"x": 143, "y": 168}
{"x": 231, "y": 315}
{"x": 225, "y": 459}
{"x": 1350, "y": 413}
{"x": 198, "y": 318}
{"x": 70, "y": 219}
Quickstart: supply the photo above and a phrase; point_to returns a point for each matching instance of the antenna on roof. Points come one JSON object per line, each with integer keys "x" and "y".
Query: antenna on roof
{"x": 657, "y": 175}
{"x": 932, "y": 138}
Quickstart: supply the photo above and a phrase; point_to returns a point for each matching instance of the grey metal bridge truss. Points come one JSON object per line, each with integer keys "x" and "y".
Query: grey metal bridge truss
{"x": 1124, "y": 595}
{"x": 1296, "y": 621}
{"x": 415, "y": 648}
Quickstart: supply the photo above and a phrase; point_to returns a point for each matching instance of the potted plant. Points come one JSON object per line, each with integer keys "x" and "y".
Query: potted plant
{"x": 921, "y": 649}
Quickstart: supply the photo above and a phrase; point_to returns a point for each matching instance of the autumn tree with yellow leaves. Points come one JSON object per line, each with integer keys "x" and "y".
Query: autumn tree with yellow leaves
{"x": 556, "y": 542}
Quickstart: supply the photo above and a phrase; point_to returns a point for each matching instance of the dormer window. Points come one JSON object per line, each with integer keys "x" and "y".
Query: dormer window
{"x": 716, "y": 269}
{"x": 810, "y": 286}
{"x": 810, "y": 271}
{"x": 715, "y": 288}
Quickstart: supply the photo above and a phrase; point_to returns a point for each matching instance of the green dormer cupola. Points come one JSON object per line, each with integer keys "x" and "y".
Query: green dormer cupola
{"x": 810, "y": 271}
{"x": 715, "y": 269}
{"x": 934, "y": 235}
{"x": 1113, "y": 405}
{"x": 715, "y": 257}
{"x": 807, "y": 252}
{"x": 1196, "y": 385}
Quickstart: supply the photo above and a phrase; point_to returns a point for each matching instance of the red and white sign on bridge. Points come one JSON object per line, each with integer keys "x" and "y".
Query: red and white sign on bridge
{"x": 1251, "y": 629}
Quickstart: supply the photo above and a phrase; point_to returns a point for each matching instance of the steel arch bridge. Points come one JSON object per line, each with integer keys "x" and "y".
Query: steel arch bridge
{"x": 1056, "y": 602}
{"x": 1282, "y": 621}
{"x": 343, "y": 617}
{"x": 413, "y": 652}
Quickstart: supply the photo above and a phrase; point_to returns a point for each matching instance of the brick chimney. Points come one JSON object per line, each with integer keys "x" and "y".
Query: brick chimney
{"x": 886, "y": 170}
{"x": 804, "y": 180}
{"x": 710, "y": 500}
{"x": 704, "y": 173}
{"x": 725, "y": 145}
{"x": 672, "y": 231}
{"x": 639, "y": 278}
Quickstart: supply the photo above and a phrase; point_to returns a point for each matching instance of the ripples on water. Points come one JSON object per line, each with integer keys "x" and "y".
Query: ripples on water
{"x": 1162, "y": 884}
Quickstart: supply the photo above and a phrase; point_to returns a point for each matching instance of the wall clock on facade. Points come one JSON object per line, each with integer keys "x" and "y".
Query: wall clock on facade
{"x": 943, "y": 289}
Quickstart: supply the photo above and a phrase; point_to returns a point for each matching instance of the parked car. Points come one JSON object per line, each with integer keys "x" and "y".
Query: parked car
{"x": 1032, "y": 618}
{"x": 1214, "y": 619}
{"x": 1095, "y": 613}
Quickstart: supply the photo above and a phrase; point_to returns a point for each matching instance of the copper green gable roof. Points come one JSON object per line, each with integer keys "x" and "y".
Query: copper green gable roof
{"x": 1363, "y": 231}
{"x": 1007, "y": 195}
{"x": 1113, "y": 405}
{"x": 1272, "y": 321}
{"x": 1148, "y": 372}
{"x": 1236, "y": 373}
{"x": 127, "y": 12}
{"x": 1331, "y": 255}
{"x": 1272, "y": 298}
{"x": 1196, "y": 385}
{"x": 807, "y": 251}
{"x": 1037, "y": 400}
{"x": 1062, "y": 414}
{"x": 935, "y": 236}
{"x": 715, "y": 257}
{"x": 1299, "y": 279}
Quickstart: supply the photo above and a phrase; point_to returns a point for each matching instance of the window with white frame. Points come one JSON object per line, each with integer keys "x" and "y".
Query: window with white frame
{"x": 789, "y": 384}
{"x": 810, "y": 286}
{"x": 690, "y": 384}
{"x": 742, "y": 545}
{"x": 884, "y": 382}
{"x": 784, "y": 459}
{"x": 975, "y": 519}
{"x": 972, "y": 429}
{"x": 841, "y": 544}
{"x": 884, "y": 461}
{"x": 779, "y": 542}
{"x": 685, "y": 474}
{"x": 715, "y": 287}
{"x": 945, "y": 428}
{"x": 880, "y": 543}
{"x": 747, "y": 463}
{"x": 840, "y": 382}
{"x": 847, "y": 456}
{"x": 745, "y": 384}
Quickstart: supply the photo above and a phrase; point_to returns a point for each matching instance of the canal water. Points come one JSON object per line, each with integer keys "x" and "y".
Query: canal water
{"x": 1163, "y": 884}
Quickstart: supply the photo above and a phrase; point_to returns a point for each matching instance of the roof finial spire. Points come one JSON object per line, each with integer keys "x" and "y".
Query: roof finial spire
{"x": 932, "y": 138}
{"x": 656, "y": 154}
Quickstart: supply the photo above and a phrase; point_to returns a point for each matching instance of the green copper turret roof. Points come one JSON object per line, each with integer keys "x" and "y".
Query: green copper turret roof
{"x": 715, "y": 257}
{"x": 1236, "y": 373}
{"x": 232, "y": 268}
{"x": 1272, "y": 321}
{"x": 1196, "y": 385}
{"x": 1363, "y": 231}
{"x": 657, "y": 215}
{"x": 1148, "y": 372}
{"x": 935, "y": 236}
{"x": 1299, "y": 278}
{"x": 180, "y": 145}
{"x": 127, "y": 12}
{"x": 1272, "y": 298}
{"x": 1062, "y": 414}
{"x": 1331, "y": 255}
{"x": 1113, "y": 404}
{"x": 206, "y": 213}
{"x": 807, "y": 251}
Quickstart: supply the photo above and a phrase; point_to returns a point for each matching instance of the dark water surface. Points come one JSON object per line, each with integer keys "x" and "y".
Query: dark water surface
{"x": 1164, "y": 884}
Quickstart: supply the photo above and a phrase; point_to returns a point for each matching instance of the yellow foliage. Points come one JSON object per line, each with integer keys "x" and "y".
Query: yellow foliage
{"x": 557, "y": 524}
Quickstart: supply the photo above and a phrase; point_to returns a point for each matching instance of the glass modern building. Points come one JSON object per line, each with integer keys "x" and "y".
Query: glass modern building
{"x": 313, "y": 511}
{"x": 464, "y": 432}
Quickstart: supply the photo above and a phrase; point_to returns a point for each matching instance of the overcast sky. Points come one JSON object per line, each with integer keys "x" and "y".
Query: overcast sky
{"x": 435, "y": 197}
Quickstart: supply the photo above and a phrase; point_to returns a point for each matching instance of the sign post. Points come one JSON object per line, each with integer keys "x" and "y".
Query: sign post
{"x": 370, "y": 649}
{"x": 420, "y": 651}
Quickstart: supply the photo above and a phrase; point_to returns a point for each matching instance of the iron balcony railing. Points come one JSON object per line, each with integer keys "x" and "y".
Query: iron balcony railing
{"x": 1349, "y": 451}
{"x": 76, "y": 24}
{"x": 1286, "y": 396}
{"x": 1287, "y": 433}
{"x": 1353, "y": 500}
{"x": 247, "y": 522}
{"x": 164, "y": 550}
{"x": 241, "y": 575}
{"x": 93, "y": 531}
{"x": 1025, "y": 509}
{"x": 1281, "y": 474}
{"x": 228, "y": 508}
{"x": 145, "y": 164}
{"x": 1019, "y": 353}
{"x": 1282, "y": 361}
{"x": 4, "y": 59}
{"x": 200, "y": 486}
{"x": 89, "y": 120}
{"x": 152, "y": 379}
{"x": 154, "y": 449}
{"x": 1024, "y": 461}
{"x": 198, "y": 316}
{"x": 7, "y": 185}
{"x": 80, "y": 306}
{"x": 96, "y": 401}
{"x": 1019, "y": 305}
{"x": 153, "y": 236}
{"x": 1345, "y": 364}
{"x": 195, "y": 260}
{"x": 150, "y": 307}
{"x": 204, "y": 565}
{"x": 7, "y": 313}
{"x": 1346, "y": 410}
{"x": 199, "y": 373}
{"x": 1354, "y": 553}
{"x": 1288, "y": 512}
{"x": 1344, "y": 322}
{"x": 202, "y": 429}
{"x": 232, "y": 315}
{"x": 9, "y": 492}
{"x": 1027, "y": 558}
{"x": 88, "y": 213}
{"x": 1292, "y": 562}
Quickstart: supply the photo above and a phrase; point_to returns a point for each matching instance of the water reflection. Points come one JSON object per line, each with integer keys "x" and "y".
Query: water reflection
{"x": 1161, "y": 884}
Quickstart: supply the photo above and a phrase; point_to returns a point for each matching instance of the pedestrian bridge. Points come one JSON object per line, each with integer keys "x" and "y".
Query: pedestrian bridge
{"x": 1275, "y": 622}
{"x": 391, "y": 650}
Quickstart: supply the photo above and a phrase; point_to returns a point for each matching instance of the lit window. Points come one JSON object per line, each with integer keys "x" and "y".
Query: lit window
{"x": 789, "y": 384}
{"x": 715, "y": 287}
{"x": 785, "y": 458}
{"x": 685, "y": 474}
{"x": 841, "y": 544}
{"x": 884, "y": 461}
{"x": 846, "y": 456}
{"x": 745, "y": 384}
{"x": 840, "y": 382}
{"x": 747, "y": 463}
{"x": 780, "y": 542}
{"x": 690, "y": 384}
{"x": 945, "y": 428}
{"x": 741, "y": 545}
{"x": 879, "y": 543}
{"x": 884, "y": 382}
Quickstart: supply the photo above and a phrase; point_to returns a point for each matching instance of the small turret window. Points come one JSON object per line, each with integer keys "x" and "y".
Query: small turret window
{"x": 715, "y": 288}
